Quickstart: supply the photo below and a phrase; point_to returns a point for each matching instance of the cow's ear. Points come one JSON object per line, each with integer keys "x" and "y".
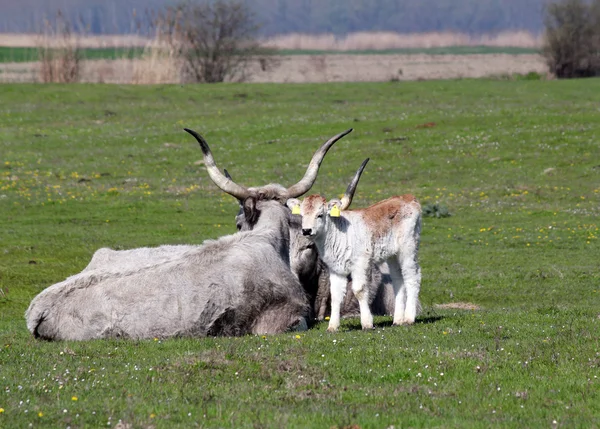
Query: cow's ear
{"x": 294, "y": 205}
{"x": 251, "y": 212}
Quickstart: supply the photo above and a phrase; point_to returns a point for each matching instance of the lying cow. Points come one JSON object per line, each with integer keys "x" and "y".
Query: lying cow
{"x": 218, "y": 288}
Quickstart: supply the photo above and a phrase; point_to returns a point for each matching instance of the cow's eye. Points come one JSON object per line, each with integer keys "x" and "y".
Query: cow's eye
{"x": 320, "y": 215}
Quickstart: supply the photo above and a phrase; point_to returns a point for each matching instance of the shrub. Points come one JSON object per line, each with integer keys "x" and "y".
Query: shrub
{"x": 59, "y": 52}
{"x": 435, "y": 210}
{"x": 215, "y": 40}
{"x": 572, "y": 38}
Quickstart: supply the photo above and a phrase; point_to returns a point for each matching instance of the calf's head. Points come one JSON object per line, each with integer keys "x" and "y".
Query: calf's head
{"x": 316, "y": 211}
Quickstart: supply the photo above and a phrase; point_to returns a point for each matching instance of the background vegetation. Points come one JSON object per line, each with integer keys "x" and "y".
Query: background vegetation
{"x": 298, "y": 16}
{"x": 20, "y": 55}
{"x": 10, "y": 55}
{"x": 509, "y": 336}
{"x": 572, "y": 40}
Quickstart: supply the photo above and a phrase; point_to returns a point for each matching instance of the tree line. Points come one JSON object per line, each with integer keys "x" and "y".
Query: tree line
{"x": 295, "y": 16}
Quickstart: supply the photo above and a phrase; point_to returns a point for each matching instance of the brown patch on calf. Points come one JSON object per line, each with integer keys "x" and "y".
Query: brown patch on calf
{"x": 382, "y": 216}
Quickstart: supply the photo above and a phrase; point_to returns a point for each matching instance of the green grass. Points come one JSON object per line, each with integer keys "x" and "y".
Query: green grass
{"x": 515, "y": 162}
{"x": 18, "y": 55}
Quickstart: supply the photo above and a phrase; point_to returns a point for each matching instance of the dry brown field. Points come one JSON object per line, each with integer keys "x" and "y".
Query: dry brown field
{"x": 310, "y": 68}
{"x": 323, "y": 42}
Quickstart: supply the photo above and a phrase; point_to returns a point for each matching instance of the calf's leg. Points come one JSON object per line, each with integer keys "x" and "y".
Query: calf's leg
{"x": 360, "y": 277}
{"x": 337, "y": 286}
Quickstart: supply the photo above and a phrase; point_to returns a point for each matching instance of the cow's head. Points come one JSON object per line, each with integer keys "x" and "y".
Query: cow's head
{"x": 271, "y": 191}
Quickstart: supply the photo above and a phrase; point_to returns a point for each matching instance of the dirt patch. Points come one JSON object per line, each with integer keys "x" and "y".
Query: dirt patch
{"x": 458, "y": 306}
{"x": 315, "y": 68}
{"x": 381, "y": 68}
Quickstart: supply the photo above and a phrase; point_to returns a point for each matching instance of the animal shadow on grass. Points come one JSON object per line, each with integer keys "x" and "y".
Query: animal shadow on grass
{"x": 354, "y": 324}
{"x": 420, "y": 320}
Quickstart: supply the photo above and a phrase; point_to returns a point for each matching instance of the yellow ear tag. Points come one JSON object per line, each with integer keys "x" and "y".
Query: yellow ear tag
{"x": 334, "y": 212}
{"x": 296, "y": 209}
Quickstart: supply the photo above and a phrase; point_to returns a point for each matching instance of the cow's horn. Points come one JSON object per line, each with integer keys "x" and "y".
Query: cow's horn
{"x": 223, "y": 182}
{"x": 310, "y": 176}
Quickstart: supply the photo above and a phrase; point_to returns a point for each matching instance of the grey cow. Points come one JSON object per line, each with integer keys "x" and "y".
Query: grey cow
{"x": 182, "y": 290}
{"x": 219, "y": 288}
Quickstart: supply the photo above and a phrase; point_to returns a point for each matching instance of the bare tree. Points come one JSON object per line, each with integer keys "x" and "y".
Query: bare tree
{"x": 572, "y": 38}
{"x": 215, "y": 40}
{"x": 59, "y": 51}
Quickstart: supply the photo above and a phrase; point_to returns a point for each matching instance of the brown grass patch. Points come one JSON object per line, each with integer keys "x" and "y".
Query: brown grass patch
{"x": 326, "y": 42}
{"x": 388, "y": 40}
{"x": 25, "y": 40}
{"x": 458, "y": 306}
{"x": 304, "y": 68}
{"x": 384, "y": 68}
{"x": 159, "y": 64}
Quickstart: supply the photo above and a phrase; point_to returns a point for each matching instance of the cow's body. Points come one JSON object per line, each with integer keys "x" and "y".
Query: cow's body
{"x": 218, "y": 288}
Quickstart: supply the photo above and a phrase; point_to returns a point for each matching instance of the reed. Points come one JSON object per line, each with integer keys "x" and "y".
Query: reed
{"x": 386, "y": 40}
{"x": 59, "y": 52}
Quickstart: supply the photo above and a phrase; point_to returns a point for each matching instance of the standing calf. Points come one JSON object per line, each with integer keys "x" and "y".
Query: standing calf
{"x": 351, "y": 241}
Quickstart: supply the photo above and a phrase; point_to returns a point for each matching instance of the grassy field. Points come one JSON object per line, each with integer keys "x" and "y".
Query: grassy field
{"x": 27, "y": 54}
{"x": 509, "y": 335}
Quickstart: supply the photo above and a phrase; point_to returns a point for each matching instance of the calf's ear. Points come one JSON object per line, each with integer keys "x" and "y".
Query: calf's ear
{"x": 294, "y": 205}
{"x": 333, "y": 207}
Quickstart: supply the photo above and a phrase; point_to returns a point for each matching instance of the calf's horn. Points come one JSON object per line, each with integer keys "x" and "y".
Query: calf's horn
{"x": 347, "y": 198}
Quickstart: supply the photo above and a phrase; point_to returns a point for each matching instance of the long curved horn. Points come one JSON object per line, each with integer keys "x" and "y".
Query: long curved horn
{"x": 347, "y": 198}
{"x": 310, "y": 176}
{"x": 223, "y": 182}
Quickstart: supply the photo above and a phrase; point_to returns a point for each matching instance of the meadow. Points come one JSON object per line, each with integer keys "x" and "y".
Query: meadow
{"x": 31, "y": 54}
{"x": 509, "y": 335}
